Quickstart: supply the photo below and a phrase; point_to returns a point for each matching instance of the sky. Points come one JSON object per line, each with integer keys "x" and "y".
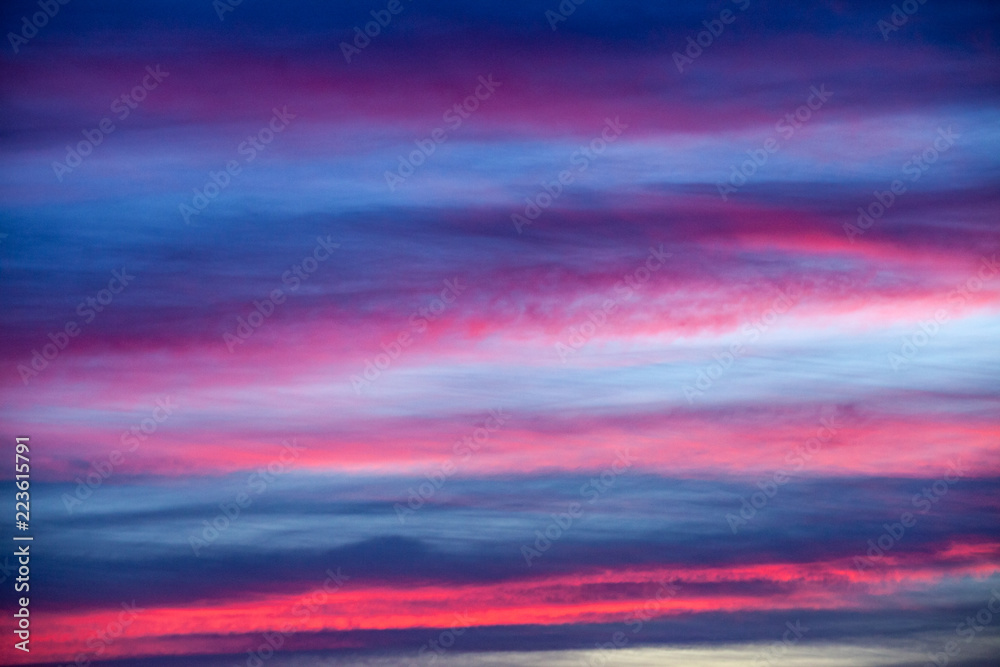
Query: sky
{"x": 407, "y": 333}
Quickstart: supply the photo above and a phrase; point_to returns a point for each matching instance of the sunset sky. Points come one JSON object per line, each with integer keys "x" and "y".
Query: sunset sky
{"x": 503, "y": 333}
